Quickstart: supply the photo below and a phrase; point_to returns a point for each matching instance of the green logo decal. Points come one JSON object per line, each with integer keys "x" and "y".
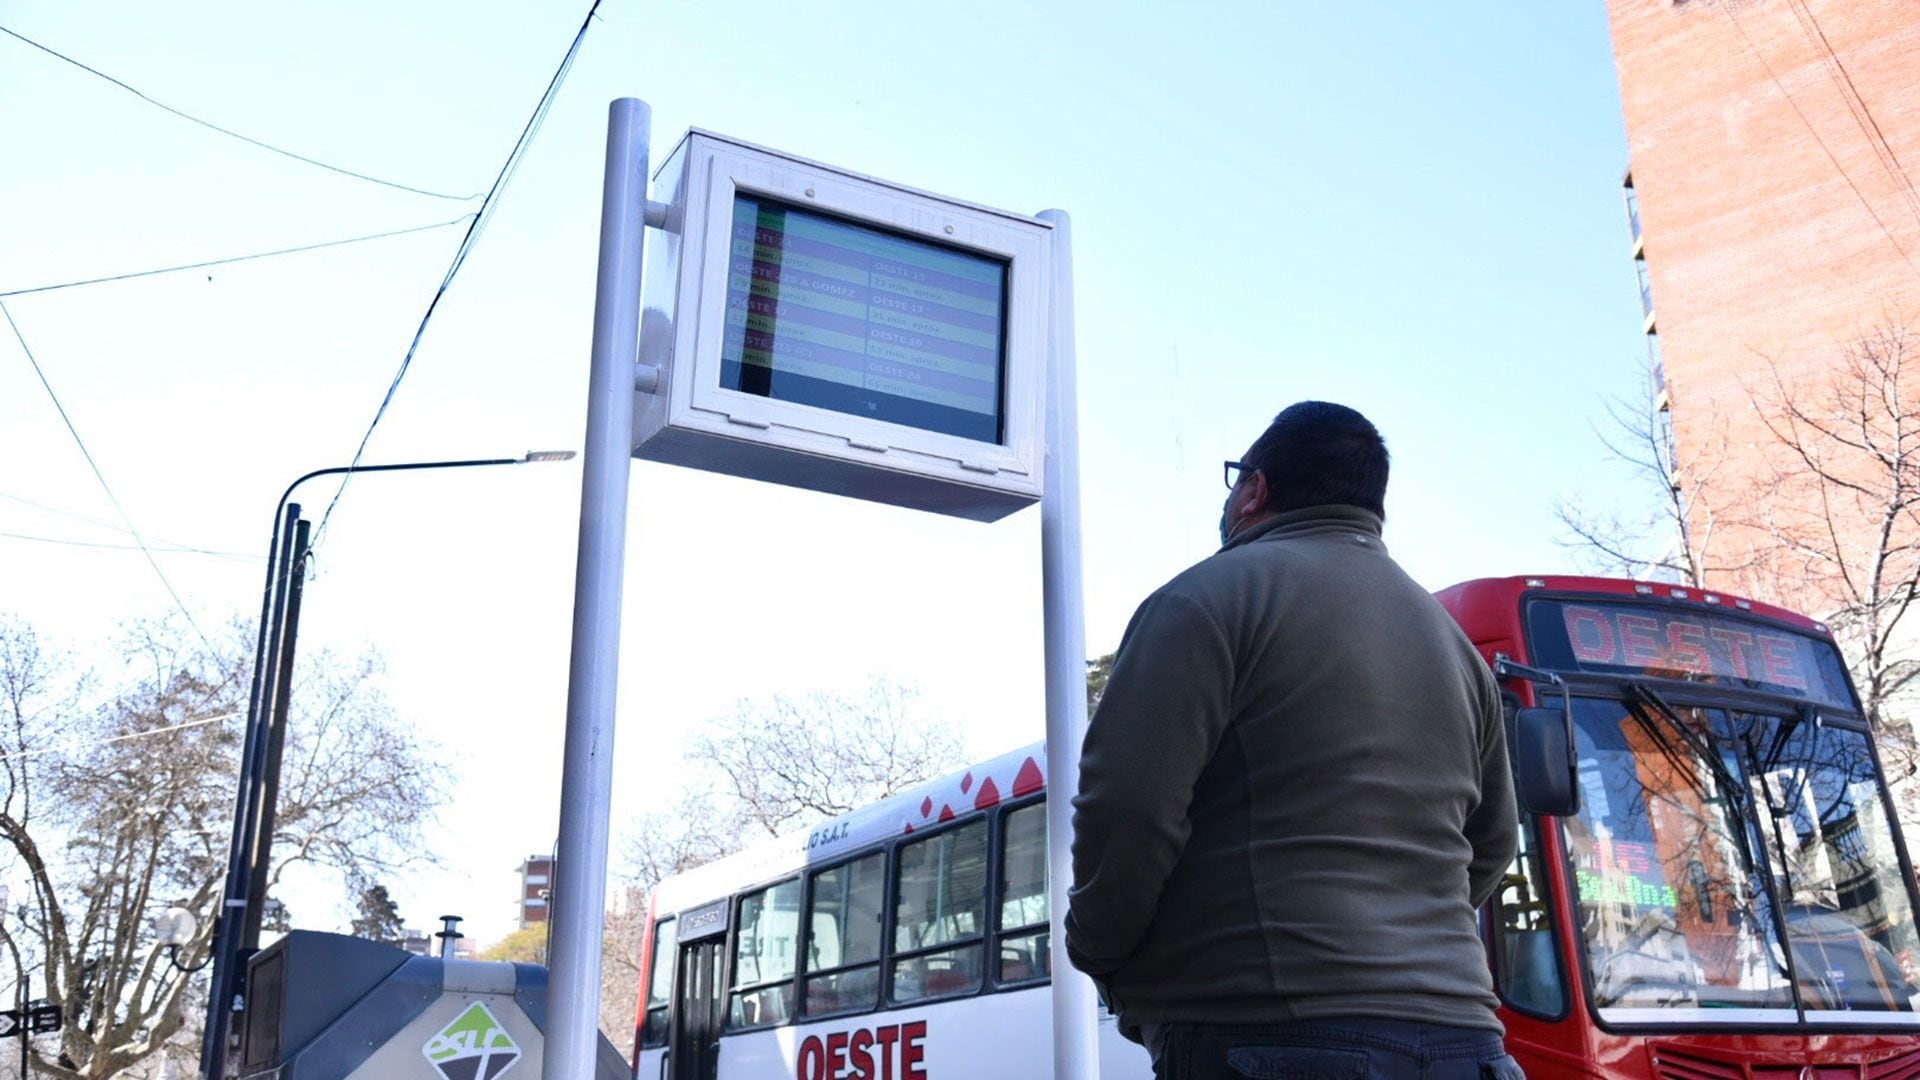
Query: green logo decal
{"x": 473, "y": 1047}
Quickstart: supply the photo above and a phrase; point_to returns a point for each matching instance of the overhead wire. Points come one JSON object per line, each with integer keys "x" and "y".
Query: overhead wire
{"x": 73, "y": 746}
{"x": 233, "y": 259}
{"x": 165, "y": 550}
{"x": 102, "y": 477}
{"x": 167, "y": 544}
{"x": 229, "y": 132}
{"x": 485, "y": 214}
{"x": 1811, "y": 130}
{"x": 1856, "y": 104}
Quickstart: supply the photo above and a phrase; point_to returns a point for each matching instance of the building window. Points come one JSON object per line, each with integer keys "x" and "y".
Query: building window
{"x": 1633, "y": 208}
{"x": 940, "y": 914}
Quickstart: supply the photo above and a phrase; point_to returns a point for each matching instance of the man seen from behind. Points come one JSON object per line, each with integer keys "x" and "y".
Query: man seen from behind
{"x": 1294, "y": 794}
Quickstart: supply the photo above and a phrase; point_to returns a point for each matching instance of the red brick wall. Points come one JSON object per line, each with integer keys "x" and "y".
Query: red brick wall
{"x": 1756, "y": 245}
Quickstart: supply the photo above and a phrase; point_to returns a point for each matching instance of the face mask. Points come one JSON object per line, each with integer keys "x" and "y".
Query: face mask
{"x": 1226, "y": 522}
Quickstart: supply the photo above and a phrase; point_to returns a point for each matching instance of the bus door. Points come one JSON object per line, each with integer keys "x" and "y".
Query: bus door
{"x": 700, "y": 994}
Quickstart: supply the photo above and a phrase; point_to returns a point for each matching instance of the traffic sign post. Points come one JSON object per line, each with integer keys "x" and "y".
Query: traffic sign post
{"x": 37, "y": 1018}
{"x": 817, "y": 328}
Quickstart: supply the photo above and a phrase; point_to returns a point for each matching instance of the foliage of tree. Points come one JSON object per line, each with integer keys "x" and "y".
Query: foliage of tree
{"x": 379, "y": 918}
{"x": 114, "y": 810}
{"x": 1098, "y": 670}
{"x": 527, "y": 945}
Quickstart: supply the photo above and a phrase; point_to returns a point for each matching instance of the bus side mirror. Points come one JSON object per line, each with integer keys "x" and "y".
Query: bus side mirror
{"x": 1543, "y": 763}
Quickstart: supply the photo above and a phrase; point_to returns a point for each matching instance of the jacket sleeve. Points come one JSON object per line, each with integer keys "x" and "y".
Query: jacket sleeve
{"x": 1166, "y": 706}
{"x": 1494, "y": 826}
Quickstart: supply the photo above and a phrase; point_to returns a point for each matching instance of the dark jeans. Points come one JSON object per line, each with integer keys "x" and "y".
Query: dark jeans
{"x": 1331, "y": 1049}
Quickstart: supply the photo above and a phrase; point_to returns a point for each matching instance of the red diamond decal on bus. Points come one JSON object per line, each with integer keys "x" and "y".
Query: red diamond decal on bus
{"x": 926, "y": 806}
{"x": 989, "y": 794}
{"x": 946, "y": 813}
{"x": 1029, "y": 780}
{"x": 966, "y": 783}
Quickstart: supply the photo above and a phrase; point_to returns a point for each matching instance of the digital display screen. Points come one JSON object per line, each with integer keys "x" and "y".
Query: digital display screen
{"x": 1679, "y": 643}
{"x": 839, "y": 316}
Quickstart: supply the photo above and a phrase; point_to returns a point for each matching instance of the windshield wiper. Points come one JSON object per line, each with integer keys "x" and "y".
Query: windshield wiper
{"x": 1740, "y": 812}
{"x": 1647, "y": 705}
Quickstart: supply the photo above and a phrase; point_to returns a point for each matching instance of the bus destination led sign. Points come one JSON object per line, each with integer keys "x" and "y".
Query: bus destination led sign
{"x": 1642, "y": 639}
{"x": 840, "y": 316}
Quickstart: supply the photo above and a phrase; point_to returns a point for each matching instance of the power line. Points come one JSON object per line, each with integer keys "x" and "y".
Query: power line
{"x": 1811, "y": 130}
{"x": 485, "y": 214}
{"x": 1856, "y": 104}
{"x": 167, "y": 544}
{"x": 233, "y": 259}
{"x": 170, "y": 550}
{"x": 102, "y": 477}
{"x": 250, "y": 140}
{"x": 72, "y": 747}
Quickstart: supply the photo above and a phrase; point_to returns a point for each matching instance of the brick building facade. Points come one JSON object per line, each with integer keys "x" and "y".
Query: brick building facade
{"x": 536, "y": 888}
{"x": 1771, "y": 145}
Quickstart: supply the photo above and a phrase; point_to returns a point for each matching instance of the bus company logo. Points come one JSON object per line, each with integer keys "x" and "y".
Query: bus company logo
{"x": 473, "y": 1047}
{"x": 888, "y": 1052}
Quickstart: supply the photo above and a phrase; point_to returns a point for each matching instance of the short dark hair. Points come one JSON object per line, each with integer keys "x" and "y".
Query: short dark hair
{"x": 1316, "y": 453}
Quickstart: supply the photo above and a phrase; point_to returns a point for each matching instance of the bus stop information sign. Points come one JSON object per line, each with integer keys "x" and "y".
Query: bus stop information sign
{"x": 818, "y": 328}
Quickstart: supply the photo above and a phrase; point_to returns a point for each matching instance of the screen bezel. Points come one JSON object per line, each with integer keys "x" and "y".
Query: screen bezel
{"x": 1021, "y": 243}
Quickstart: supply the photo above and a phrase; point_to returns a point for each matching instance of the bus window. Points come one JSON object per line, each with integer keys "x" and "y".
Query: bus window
{"x": 766, "y": 948}
{"x": 1526, "y": 966}
{"x": 940, "y": 916}
{"x": 660, "y": 983}
{"x": 843, "y": 937}
{"x": 1023, "y": 896}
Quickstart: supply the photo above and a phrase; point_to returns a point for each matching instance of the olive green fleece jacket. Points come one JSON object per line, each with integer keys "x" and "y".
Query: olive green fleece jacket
{"x": 1294, "y": 793}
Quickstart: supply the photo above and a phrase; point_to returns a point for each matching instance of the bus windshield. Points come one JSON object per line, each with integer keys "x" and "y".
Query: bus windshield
{"x": 1695, "y": 823}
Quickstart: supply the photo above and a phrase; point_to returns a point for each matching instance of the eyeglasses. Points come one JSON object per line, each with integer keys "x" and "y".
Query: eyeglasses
{"x": 1233, "y": 471}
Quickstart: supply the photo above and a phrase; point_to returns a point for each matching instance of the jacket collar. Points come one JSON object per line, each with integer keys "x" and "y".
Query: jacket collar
{"x": 1310, "y": 519}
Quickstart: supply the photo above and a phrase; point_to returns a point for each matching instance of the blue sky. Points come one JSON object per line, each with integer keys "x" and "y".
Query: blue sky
{"x": 1410, "y": 208}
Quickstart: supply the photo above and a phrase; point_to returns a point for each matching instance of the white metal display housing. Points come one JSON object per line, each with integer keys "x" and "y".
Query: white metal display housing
{"x": 686, "y": 417}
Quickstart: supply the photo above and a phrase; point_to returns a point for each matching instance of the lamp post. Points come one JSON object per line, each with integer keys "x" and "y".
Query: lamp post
{"x": 237, "y": 924}
{"x": 173, "y": 931}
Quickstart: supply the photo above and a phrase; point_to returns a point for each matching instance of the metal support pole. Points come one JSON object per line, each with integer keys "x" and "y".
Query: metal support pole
{"x": 276, "y": 736}
{"x": 586, "y": 782}
{"x": 1076, "y": 1049}
{"x": 229, "y": 921}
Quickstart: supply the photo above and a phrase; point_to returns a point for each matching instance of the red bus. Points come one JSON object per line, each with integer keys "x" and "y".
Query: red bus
{"x": 1729, "y": 897}
{"x": 1713, "y": 887}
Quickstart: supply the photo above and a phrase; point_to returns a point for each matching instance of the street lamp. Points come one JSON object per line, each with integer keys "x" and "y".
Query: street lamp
{"x": 237, "y": 926}
{"x": 175, "y": 929}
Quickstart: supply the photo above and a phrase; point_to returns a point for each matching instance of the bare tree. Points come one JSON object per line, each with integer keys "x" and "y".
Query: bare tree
{"x": 1837, "y": 517}
{"x": 764, "y": 768}
{"x": 790, "y": 759}
{"x": 1671, "y": 534}
{"x": 116, "y": 812}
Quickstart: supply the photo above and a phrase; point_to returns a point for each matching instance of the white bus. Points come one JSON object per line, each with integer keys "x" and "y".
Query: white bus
{"x": 923, "y": 952}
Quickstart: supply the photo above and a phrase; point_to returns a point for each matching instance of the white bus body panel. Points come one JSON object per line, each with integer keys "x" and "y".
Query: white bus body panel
{"x": 1007, "y": 1036}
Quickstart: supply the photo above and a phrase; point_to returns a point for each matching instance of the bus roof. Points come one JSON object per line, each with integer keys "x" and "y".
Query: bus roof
{"x": 1472, "y": 603}
{"x": 1013, "y": 775}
